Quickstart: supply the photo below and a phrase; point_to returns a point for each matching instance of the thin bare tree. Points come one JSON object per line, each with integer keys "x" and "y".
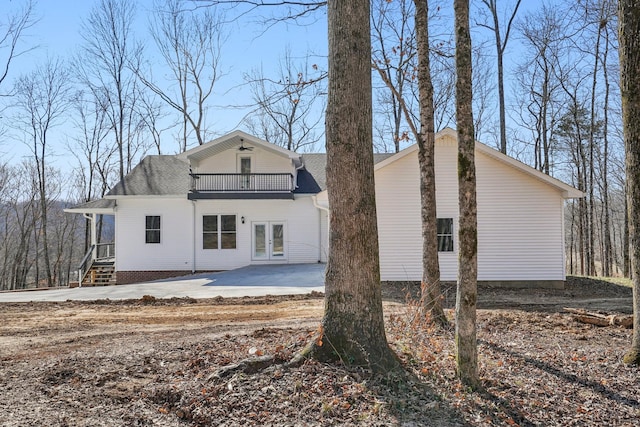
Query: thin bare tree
{"x": 13, "y": 27}
{"x": 107, "y": 52}
{"x": 501, "y": 46}
{"x": 41, "y": 100}
{"x": 12, "y": 30}
{"x": 467, "y": 293}
{"x": 430, "y": 284}
{"x": 539, "y": 91}
{"x": 189, "y": 42}
{"x": 289, "y": 106}
{"x": 394, "y": 59}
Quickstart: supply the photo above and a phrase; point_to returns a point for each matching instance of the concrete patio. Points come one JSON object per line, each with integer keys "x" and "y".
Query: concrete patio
{"x": 282, "y": 279}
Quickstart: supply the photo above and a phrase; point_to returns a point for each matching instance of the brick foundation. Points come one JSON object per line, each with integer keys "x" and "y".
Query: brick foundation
{"x": 128, "y": 277}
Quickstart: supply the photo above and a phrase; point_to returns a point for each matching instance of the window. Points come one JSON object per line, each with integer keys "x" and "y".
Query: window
{"x": 152, "y": 229}
{"x": 228, "y": 231}
{"x": 218, "y": 232}
{"x": 210, "y": 232}
{"x": 445, "y": 234}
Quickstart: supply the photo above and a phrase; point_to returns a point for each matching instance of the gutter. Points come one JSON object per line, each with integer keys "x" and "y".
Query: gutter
{"x": 295, "y": 180}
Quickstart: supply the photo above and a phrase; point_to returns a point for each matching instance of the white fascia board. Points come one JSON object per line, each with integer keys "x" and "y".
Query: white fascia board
{"x": 148, "y": 196}
{"x": 200, "y": 152}
{"x": 568, "y": 192}
{"x": 97, "y": 211}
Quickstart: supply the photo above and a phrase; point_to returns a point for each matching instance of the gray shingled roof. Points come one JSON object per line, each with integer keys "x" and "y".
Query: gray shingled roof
{"x": 378, "y": 157}
{"x": 169, "y": 176}
{"x": 94, "y": 205}
{"x": 155, "y": 175}
{"x": 316, "y": 164}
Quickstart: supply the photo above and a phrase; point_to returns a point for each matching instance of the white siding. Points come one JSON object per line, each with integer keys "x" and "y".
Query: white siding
{"x": 174, "y": 250}
{"x": 519, "y": 219}
{"x": 398, "y": 205}
{"x": 262, "y": 161}
{"x": 519, "y": 225}
{"x": 322, "y": 199}
{"x": 324, "y": 235}
{"x": 303, "y": 232}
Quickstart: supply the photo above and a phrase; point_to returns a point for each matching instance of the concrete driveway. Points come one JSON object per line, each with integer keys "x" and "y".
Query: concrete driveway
{"x": 285, "y": 279}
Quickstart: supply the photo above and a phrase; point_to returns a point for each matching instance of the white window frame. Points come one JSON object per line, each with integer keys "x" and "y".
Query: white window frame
{"x": 159, "y": 230}
{"x": 450, "y": 236}
{"x": 219, "y": 232}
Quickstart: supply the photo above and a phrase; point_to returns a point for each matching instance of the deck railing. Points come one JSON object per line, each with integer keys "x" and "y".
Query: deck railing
{"x": 242, "y": 182}
{"x": 99, "y": 252}
{"x": 105, "y": 251}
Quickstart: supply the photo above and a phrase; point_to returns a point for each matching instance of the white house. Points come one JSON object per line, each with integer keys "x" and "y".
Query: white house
{"x": 239, "y": 200}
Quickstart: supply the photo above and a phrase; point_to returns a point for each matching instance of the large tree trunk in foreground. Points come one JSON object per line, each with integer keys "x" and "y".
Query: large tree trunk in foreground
{"x": 629, "y": 35}
{"x": 431, "y": 291}
{"x": 465, "y": 335}
{"x": 353, "y": 324}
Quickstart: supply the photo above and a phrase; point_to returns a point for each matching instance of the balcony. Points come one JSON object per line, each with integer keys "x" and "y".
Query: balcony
{"x": 241, "y": 186}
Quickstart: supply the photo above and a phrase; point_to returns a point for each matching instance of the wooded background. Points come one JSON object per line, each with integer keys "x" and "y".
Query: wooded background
{"x": 555, "y": 63}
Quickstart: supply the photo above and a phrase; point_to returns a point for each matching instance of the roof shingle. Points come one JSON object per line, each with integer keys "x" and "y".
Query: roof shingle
{"x": 155, "y": 175}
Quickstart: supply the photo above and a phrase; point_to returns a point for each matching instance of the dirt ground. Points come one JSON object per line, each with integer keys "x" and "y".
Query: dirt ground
{"x": 153, "y": 362}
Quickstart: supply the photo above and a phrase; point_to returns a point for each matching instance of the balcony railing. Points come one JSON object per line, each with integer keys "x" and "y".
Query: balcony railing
{"x": 242, "y": 182}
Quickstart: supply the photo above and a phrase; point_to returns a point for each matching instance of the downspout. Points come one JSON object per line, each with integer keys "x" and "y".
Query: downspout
{"x": 193, "y": 237}
{"x": 564, "y": 245}
{"x": 296, "y": 169}
{"x": 320, "y": 208}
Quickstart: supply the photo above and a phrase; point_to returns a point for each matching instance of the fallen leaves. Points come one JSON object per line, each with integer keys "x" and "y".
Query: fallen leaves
{"x": 537, "y": 368}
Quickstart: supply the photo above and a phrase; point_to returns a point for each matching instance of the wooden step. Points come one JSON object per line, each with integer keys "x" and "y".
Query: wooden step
{"x": 100, "y": 274}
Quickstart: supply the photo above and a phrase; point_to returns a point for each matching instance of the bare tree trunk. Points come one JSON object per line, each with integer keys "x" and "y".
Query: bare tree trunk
{"x": 626, "y": 261}
{"x": 465, "y": 334}
{"x": 353, "y": 324}
{"x": 572, "y": 240}
{"x": 629, "y": 35}
{"x": 431, "y": 293}
{"x": 608, "y": 249}
{"x": 592, "y": 148}
{"x": 606, "y": 222}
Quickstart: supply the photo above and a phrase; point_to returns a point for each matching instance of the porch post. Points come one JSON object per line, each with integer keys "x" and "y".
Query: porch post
{"x": 94, "y": 236}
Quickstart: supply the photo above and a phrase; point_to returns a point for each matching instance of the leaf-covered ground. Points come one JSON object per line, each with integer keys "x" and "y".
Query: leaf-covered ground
{"x": 144, "y": 363}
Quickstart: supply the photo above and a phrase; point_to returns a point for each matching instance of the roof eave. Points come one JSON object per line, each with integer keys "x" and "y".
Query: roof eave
{"x": 98, "y": 211}
{"x": 567, "y": 191}
{"x": 198, "y": 153}
{"x": 146, "y": 196}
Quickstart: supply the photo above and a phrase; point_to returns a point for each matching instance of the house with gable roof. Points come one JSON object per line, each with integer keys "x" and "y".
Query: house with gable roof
{"x": 239, "y": 200}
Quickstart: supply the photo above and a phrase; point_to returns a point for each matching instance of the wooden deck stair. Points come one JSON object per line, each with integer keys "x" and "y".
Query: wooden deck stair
{"x": 101, "y": 273}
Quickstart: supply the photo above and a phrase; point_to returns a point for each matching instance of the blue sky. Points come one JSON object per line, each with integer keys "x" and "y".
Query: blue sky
{"x": 250, "y": 45}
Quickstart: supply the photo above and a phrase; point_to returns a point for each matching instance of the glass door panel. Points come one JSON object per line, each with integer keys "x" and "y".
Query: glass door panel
{"x": 277, "y": 240}
{"x": 259, "y": 240}
{"x": 268, "y": 241}
{"x": 245, "y": 170}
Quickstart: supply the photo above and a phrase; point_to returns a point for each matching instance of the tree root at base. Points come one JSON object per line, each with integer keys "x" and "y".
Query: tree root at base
{"x": 313, "y": 350}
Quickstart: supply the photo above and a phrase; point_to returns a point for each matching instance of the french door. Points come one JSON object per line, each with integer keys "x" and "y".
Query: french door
{"x": 268, "y": 240}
